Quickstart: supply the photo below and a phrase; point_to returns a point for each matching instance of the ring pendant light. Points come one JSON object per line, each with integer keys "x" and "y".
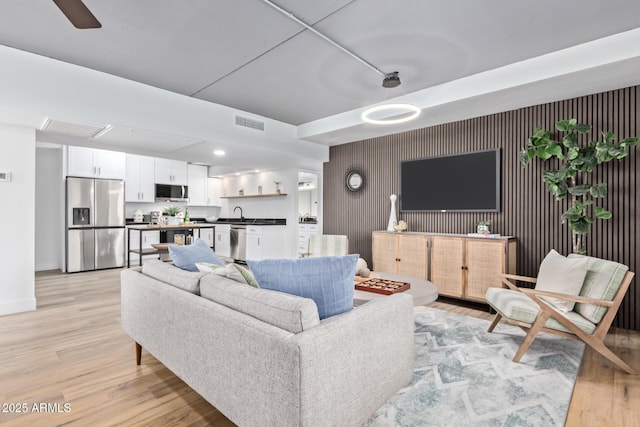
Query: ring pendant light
{"x": 390, "y": 80}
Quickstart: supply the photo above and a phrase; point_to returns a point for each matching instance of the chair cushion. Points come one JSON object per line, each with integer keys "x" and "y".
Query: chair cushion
{"x": 326, "y": 280}
{"x": 288, "y": 312}
{"x": 327, "y": 245}
{"x": 185, "y": 257}
{"x": 518, "y": 306}
{"x": 561, "y": 275}
{"x": 602, "y": 282}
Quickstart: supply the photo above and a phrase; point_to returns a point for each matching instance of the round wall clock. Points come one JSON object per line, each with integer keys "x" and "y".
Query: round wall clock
{"x": 355, "y": 180}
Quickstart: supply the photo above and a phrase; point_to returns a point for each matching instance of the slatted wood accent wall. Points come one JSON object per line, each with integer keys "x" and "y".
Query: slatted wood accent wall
{"x": 528, "y": 210}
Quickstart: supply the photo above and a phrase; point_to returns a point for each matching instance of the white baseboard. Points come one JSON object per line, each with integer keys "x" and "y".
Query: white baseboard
{"x": 12, "y": 307}
{"x": 47, "y": 266}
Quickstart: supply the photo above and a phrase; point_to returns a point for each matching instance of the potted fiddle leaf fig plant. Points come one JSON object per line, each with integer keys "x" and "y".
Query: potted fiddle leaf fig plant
{"x": 574, "y": 173}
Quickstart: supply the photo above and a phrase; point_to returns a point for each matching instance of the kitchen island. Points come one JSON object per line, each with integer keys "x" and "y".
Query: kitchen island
{"x": 157, "y": 227}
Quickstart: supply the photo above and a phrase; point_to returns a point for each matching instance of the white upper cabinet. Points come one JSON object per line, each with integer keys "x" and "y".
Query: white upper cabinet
{"x": 139, "y": 181}
{"x": 214, "y": 192}
{"x": 171, "y": 172}
{"x": 197, "y": 181}
{"x": 93, "y": 163}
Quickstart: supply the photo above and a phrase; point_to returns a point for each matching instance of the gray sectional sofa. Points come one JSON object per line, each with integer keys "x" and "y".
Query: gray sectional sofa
{"x": 263, "y": 358}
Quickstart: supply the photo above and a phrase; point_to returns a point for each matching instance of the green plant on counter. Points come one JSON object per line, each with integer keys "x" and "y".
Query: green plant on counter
{"x": 172, "y": 210}
{"x": 576, "y": 163}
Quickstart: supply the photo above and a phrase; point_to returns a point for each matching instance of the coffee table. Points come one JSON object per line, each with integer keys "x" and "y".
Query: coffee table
{"x": 423, "y": 291}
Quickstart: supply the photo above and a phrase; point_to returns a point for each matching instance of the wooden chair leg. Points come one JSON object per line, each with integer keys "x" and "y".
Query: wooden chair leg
{"x": 533, "y": 332}
{"x": 495, "y": 322}
{"x": 138, "y": 353}
{"x": 604, "y": 351}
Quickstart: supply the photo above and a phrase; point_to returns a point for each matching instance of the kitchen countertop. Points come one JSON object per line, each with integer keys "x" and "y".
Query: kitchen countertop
{"x": 200, "y": 222}
{"x": 139, "y": 226}
{"x": 252, "y": 221}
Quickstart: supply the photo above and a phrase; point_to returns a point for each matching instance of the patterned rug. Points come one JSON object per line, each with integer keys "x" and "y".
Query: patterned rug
{"x": 464, "y": 376}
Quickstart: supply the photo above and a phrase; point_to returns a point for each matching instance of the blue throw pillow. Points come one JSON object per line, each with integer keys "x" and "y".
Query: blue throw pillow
{"x": 326, "y": 280}
{"x": 185, "y": 257}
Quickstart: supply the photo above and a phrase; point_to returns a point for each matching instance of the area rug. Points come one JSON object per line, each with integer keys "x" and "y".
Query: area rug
{"x": 464, "y": 376}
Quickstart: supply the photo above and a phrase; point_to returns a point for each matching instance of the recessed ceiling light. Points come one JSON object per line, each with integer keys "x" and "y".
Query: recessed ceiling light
{"x": 256, "y": 170}
{"x": 219, "y": 152}
{"x": 237, "y": 173}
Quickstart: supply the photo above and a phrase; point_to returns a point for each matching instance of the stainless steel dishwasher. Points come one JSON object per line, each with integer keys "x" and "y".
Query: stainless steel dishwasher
{"x": 239, "y": 242}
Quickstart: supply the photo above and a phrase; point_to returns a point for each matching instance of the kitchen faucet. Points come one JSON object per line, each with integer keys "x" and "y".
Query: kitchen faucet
{"x": 241, "y": 214}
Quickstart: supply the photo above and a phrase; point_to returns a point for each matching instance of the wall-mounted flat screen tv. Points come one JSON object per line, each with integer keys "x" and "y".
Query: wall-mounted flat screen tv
{"x": 460, "y": 182}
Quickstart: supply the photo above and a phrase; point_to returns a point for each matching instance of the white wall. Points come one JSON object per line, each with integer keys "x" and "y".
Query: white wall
{"x": 17, "y": 217}
{"x": 49, "y": 185}
{"x": 194, "y": 211}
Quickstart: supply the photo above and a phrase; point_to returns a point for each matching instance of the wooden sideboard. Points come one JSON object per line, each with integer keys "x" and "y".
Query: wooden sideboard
{"x": 460, "y": 266}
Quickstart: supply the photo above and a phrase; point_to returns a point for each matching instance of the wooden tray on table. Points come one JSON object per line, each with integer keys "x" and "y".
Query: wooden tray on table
{"x": 381, "y": 286}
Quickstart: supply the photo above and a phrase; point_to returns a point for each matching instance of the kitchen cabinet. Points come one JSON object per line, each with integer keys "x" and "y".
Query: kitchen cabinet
{"x": 223, "y": 240}
{"x": 305, "y": 231}
{"x": 197, "y": 181}
{"x": 265, "y": 242}
{"x": 400, "y": 253}
{"x": 93, "y": 163}
{"x": 459, "y": 265}
{"x": 208, "y": 235}
{"x": 139, "y": 179}
{"x": 171, "y": 172}
{"x": 214, "y": 191}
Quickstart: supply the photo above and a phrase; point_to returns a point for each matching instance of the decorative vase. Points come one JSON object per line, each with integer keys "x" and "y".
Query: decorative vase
{"x": 392, "y": 216}
{"x": 172, "y": 220}
{"x": 241, "y": 192}
{"x": 483, "y": 229}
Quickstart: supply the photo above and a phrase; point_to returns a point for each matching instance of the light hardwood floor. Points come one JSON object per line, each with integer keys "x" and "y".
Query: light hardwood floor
{"x": 72, "y": 351}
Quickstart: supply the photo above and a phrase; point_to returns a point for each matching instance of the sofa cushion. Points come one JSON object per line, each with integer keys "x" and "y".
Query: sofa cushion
{"x": 518, "y": 306}
{"x": 169, "y": 274}
{"x": 185, "y": 257}
{"x": 602, "y": 282}
{"x": 288, "y": 312}
{"x": 234, "y": 272}
{"x": 561, "y": 275}
{"x": 326, "y": 280}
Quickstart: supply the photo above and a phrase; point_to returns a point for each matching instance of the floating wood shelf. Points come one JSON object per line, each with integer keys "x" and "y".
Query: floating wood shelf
{"x": 254, "y": 195}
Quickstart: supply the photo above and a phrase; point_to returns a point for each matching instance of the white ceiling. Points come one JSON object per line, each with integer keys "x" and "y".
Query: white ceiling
{"x": 248, "y": 56}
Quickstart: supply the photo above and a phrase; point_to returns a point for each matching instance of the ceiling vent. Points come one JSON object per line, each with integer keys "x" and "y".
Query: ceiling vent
{"x": 74, "y": 129}
{"x": 249, "y": 123}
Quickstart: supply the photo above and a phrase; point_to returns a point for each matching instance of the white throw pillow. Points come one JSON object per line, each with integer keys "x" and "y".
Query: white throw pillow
{"x": 561, "y": 275}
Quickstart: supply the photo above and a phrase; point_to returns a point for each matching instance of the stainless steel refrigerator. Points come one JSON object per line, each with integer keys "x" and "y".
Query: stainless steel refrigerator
{"x": 95, "y": 224}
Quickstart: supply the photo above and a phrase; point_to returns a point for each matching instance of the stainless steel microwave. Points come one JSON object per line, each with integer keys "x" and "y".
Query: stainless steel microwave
{"x": 172, "y": 193}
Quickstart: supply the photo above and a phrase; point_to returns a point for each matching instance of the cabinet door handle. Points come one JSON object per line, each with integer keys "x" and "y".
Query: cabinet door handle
{"x": 94, "y": 170}
{"x": 258, "y": 241}
{"x": 99, "y": 171}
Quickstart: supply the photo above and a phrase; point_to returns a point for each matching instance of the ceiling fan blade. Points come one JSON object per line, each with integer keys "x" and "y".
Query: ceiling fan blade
{"x": 79, "y": 15}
